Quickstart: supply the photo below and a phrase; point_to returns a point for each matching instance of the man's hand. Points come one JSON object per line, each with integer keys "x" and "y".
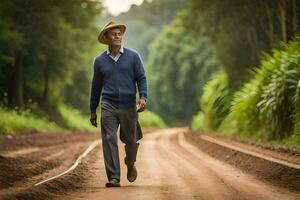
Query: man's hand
{"x": 141, "y": 105}
{"x": 93, "y": 119}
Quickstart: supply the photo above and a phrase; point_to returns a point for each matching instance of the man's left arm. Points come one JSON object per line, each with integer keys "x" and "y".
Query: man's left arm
{"x": 141, "y": 81}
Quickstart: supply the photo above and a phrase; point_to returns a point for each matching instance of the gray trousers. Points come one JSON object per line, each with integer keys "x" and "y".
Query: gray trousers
{"x": 130, "y": 133}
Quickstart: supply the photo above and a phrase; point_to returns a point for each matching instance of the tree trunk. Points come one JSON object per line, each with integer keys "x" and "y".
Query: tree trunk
{"x": 271, "y": 28}
{"x": 18, "y": 82}
{"x": 253, "y": 45}
{"x": 46, "y": 82}
{"x": 295, "y": 21}
{"x": 283, "y": 20}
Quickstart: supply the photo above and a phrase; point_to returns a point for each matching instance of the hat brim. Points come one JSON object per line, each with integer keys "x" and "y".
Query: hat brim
{"x": 102, "y": 39}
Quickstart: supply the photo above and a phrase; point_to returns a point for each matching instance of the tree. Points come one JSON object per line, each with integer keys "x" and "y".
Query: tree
{"x": 241, "y": 29}
{"x": 178, "y": 67}
{"x": 41, "y": 45}
{"x": 146, "y": 21}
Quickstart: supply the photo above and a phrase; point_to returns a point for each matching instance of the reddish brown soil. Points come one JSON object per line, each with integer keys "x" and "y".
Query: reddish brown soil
{"x": 271, "y": 172}
{"x": 169, "y": 168}
{"x": 28, "y": 158}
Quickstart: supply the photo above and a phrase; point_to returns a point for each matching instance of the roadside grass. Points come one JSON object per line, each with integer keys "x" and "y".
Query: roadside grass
{"x": 75, "y": 120}
{"x": 12, "y": 122}
{"x": 198, "y": 122}
{"x": 149, "y": 120}
{"x": 289, "y": 142}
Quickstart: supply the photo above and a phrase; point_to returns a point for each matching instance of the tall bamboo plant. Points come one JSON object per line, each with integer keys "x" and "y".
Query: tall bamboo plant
{"x": 268, "y": 105}
{"x": 297, "y": 114}
{"x": 214, "y": 102}
{"x": 277, "y": 105}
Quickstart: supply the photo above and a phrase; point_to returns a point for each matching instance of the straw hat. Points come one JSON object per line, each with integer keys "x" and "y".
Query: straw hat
{"x": 110, "y": 25}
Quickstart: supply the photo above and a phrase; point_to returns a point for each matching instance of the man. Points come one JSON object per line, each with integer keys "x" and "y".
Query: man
{"x": 117, "y": 73}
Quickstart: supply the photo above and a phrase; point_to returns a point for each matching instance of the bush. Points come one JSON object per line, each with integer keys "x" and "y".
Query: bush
{"x": 74, "y": 120}
{"x": 198, "y": 122}
{"x": 296, "y": 135}
{"x": 214, "y": 103}
{"x": 266, "y": 106}
{"x": 242, "y": 118}
{"x": 12, "y": 121}
{"x": 150, "y": 120}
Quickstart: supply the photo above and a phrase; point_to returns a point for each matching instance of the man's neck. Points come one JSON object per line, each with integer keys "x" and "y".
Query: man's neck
{"x": 114, "y": 50}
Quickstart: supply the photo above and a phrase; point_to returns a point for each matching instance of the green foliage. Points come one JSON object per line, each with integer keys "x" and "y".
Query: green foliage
{"x": 14, "y": 122}
{"x": 198, "y": 122}
{"x": 76, "y": 90}
{"x": 277, "y": 106}
{"x": 242, "y": 119}
{"x": 47, "y": 49}
{"x": 10, "y": 40}
{"x": 267, "y": 106}
{"x": 297, "y": 113}
{"x": 241, "y": 29}
{"x": 146, "y": 21}
{"x": 177, "y": 68}
{"x": 215, "y": 103}
{"x": 150, "y": 120}
{"x": 46, "y": 55}
{"x": 74, "y": 120}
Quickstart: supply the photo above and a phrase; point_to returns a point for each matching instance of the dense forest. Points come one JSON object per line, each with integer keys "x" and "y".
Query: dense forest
{"x": 46, "y": 49}
{"x": 238, "y": 31}
{"x": 256, "y": 95}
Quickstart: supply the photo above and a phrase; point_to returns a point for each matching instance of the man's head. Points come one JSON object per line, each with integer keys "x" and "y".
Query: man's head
{"x": 112, "y": 33}
{"x": 114, "y": 36}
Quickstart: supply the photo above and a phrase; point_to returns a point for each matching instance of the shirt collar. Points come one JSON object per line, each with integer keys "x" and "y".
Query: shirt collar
{"x": 121, "y": 50}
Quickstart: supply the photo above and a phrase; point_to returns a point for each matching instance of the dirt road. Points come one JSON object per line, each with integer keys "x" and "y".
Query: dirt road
{"x": 169, "y": 168}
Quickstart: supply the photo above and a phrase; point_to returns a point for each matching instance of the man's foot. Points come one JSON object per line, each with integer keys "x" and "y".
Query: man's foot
{"x": 131, "y": 173}
{"x": 113, "y": 183}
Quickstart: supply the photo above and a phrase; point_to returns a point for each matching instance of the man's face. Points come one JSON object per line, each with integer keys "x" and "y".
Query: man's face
{"x": 114, "y": 37}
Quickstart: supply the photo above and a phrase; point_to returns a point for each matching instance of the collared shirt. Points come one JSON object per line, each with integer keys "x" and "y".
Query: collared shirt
{"x": 116, "y": 58}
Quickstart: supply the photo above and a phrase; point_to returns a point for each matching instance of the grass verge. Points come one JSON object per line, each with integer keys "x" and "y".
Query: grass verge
{"x": 13, "y": 122}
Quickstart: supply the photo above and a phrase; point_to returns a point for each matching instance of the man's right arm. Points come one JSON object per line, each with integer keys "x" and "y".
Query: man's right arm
{"x": 96, "y": 88}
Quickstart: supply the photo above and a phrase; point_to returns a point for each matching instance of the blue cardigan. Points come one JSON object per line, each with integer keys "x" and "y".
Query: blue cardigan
{"x": 118, "y": 80}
